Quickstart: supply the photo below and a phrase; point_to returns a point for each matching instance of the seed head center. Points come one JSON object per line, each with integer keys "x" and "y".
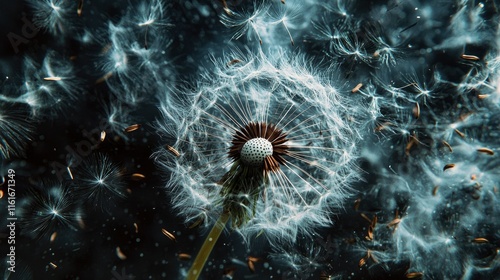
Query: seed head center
{"x": 255, "y": 151}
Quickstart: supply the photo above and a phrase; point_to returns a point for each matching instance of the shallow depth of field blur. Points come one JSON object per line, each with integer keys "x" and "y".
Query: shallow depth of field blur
{"x": 93, "y": 94}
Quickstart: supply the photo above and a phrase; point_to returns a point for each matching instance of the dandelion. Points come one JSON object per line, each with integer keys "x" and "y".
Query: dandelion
{"x": 98, "y": 180}
{"x": 269, "y": 144}
{"x": 47, "y": 209}
{"x": 15, "y": 132}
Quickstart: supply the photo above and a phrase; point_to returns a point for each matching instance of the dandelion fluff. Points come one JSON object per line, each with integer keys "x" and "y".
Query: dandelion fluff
{"x": 311, "y": 166}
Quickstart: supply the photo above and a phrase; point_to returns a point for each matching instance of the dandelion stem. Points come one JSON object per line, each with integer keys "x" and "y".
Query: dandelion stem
{"x": 195, "y": 270}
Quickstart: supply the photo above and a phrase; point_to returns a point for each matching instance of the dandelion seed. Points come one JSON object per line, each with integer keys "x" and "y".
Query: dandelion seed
{"x": 448, "y": 146}
{"x": 414, "y": 275}
{"x": 53, "y": 236}
{"x": 132, "y": 128}
{"x": 416, "y": 111}
{"x": 434, "y": 190}
{"x": 1, "y": 194}
{"x": 173, "y": 151}
{"x": 357, "y": 88}
{"x": 53, "y": 265}
{"x": 184, "y": 257}
{"x": 168, "y": 234}
{"x": 136, "y": 228}
{"x": 461, "y": 134}
{"x": 448, "y": 166}
{"x": 138, "y": 177}
{"x": 486, "y": 151}
{"x": 80, "y": 8}
{"x": 69, "y": 172}
{"x": 469, "y": 57}
{"x": 120, "y": 254}
{"x": 103, "y": 136}
{"x": 52, "y": 78}
{"x": 480, "y": 240}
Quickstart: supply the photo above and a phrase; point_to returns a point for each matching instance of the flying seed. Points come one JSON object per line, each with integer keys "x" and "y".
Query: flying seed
{"x": 168, "y": 234}
{"x": 448, "y": 146}
{"x": 482, "y": 96}
{"x": 413, "y": 141}
{"x": 469, "y": 57}
{"x": 374, "y": 221}
{"x": 365, "y": 217}
{"x": 133, "y": 127}
{"x": 480, "y": 240}
{"x": 184, "y": 257}
{"x": 226, "y": 8}
{"x": 233, "y": 62}
{"x": 52, "y": 78}
{"x": 416, "y": 111}
{"x": 53, "y": 265}
{"x": 69, "y": 172}
{"x": 369, "y": 236}
{"x": 80, "y": 8}
{"x": 173, "y": 151}
{"x": 138, "y": 177}
{"x": 104, "y": 78}
{"x": 357, "y": 88}
{"x": 382, "y": 126}
{"x": 136, "y": 228}
{"x": 197, "y": 223}
{"x": 473, "y": 177}
{"x": 53, "y": 236}
{"x": 356, "y": 204}
{"x": 362, "y": 261}
{"x": 103, "y": 136}
{"x": 486, "y": 151}
{"x": 448, "y": 166}
{"x": 434, "y": 190}
{"x": 283, "y": 1}
{"x": 461, "y": 134}
{"x": 120, "y": 254}
{"x": 371, "y": 256}
{"x": 1, "y": 193}
{"x": 250, "y": 263}
{"x": 394, "y": 223}
{"x": 413, "y": 275}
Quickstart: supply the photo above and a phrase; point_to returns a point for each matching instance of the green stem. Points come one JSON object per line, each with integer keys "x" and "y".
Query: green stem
{"x": 195, "y": 270}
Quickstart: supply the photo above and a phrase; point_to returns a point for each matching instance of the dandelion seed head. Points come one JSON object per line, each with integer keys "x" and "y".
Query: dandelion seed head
{"x": 267, "y": 140}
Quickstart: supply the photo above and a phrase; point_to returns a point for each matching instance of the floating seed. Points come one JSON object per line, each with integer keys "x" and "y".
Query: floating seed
{"x": 133, "y": 127}
{"x": 233, "y": 62}
{"x": 53, "y": 265}
{"x": 460, "y": 133}
{"x": 52, "y": 78}
{"x": 394, "y": 223}
{"x": 173, "y": 151}
{"x": 105, "y": 77}
{"x": 69, "y": 172}
{"x": 469, "y": 57}
{"x": 382, "y": 126}
{"x": 480, "y": 240}
{"x": 448, "y": 146}
{"x": 362, "y": 261}
{"x": 184, "y": 257}
{"x": 357, "y": 88}
{"x": 80, "y": 8}
{"x": 448, "y": 166}
{"x": 414, "y": 275}
{"x": 250, "y": 263}
{"x": 365, "y": 217}
{"x": 482, "y": 96}
{"x": 1, "y": 193}
{"x": 356, "y": 204}
{"x": 434, "y": 190}
{"x": 120, "y": 254}
{"x": 168, "y": 234}
{"x": 486, "y": 151}
{"x": 416, "y": 111}
{"x": 138, "y": 177}
{"x": 53, "y": 236}
{"x": 103, "y": 136}
{"x": 136, "y": 228}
